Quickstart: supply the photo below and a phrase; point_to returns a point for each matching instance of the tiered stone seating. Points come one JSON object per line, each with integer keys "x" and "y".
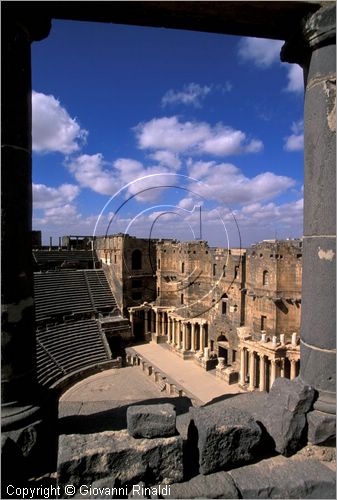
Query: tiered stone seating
{"x": 67, "y": 348}
{"x": 71, "y": 308}
{"x": 103, "y": 299}
{"x": 48, "y": 259}
{"x": 62, "y": 293}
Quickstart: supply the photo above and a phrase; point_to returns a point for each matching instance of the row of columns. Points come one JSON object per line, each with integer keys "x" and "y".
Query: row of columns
{"x": 253, "y": 362}
{"x": 154, "y": 321}
{"x": 185, "y": 335}
{"x": 194, "y": 334}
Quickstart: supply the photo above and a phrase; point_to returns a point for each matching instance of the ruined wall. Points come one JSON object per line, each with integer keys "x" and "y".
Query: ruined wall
{"x": 228, "y": 312}
{"x": 185, "y": 276}
{"x": 139, "y": 259}
{"x": 110, "y": 251}
{"x": 130, "y": 265}
{"x": 211, "y": 282}
{"x": 260, "y": 288}
{"x": 273, "y": 282}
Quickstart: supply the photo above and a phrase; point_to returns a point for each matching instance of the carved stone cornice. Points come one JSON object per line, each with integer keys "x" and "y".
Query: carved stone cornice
{"x": 317, "y": 30}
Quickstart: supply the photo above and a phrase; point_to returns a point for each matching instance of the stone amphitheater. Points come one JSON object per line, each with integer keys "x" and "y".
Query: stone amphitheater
{"x": 88, "y": 411}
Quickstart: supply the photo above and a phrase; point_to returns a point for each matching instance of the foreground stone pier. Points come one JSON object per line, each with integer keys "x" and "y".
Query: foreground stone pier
{"x": 21, "y": 412}
{"x": 315, "y": 50}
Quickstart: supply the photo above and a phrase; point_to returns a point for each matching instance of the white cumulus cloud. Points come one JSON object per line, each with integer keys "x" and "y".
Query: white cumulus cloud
{"x": 167, "y": 159}
{"x": 46, "y": 197}
{"x": 235, "y": 187}
{"x": 52, "y": 127}
{"x": 262, "y": 52}
{"x": 170, "y": 134}
{"x": 295, "y": 79}
{"x": 191, "y": 94}
{"x": 92, "y": 172}
{"x": 295, "y": 142}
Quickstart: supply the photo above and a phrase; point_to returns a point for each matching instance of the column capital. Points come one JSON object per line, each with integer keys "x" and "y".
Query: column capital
{"x": 36, "y": 27}
{"x": 317, "y": 30}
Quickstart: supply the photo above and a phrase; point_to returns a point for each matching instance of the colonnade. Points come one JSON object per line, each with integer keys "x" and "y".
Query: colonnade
{"x": 187, "y": 335}
{"x": 183, "y": 334}
{"x": 259, "y": 368}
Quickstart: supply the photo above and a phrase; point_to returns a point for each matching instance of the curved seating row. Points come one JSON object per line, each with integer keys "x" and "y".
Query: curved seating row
{"x": 68, "y": 347}
{"x": 71, "y": 292}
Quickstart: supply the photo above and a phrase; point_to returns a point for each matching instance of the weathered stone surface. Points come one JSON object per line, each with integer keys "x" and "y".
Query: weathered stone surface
{"x": 225, "y": 437}
{"x": 284, "y": 414}
{"x": 280, "y": 477}
{"x": 318, "y": 370}
{"x": 149, "y": 421}
{"x": 321, "y": 427}
{"x": 217, "y": 485}
{"x": 320, "y": 254}
{"x": 13, "y": 466}
{"x": 84, "y": 458}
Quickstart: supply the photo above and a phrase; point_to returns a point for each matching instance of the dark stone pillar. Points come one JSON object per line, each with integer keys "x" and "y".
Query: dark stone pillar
{"x": 316, "y": 52}
{"x": 21, "y": 413}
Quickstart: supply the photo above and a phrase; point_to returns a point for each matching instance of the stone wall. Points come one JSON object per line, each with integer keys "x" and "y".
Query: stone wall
{"x": 130, "y": 265}
{"x": 273, "y": 283}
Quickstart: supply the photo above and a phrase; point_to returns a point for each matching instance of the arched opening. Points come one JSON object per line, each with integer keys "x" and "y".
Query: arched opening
{"x": 265, "y": 278}
{"x": 136, "y": 260}
{"x": 224, "y": 300}
{"x": 223, "y": 346}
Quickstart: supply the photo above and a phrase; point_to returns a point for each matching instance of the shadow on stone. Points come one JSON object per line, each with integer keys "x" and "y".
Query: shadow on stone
{"x": 221, "y": 398}
{"x": 191, "y": 452}
{"x": 114, "y": 419}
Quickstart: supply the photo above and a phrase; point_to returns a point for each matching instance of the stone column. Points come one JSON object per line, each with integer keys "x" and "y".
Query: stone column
{"x": 282, "y": 361}
{"x": 131, "y": 321}
{"x": 21, "y": 415}
{"x": 169, "y": 334}
{"x": 178, "y": 334}
{"x": 192, "y": 337}
{"x": 184, "y": 326}
{"x": 242, "y": 366}
{"x": 294, "y": 339}
{"x": 146, "y": 322}
{"x": 151, "y": 321}
{"x": 316, "y": 52}
{"x": 157, "y": 333}
{"x": 251, "y": 370}
{"x": 272, "y": 372}
{"x": 163, "y": 324}
{"x": 202, "y": 337}
{"x": 292, "y": 369}
{"x": 262, "y": 373}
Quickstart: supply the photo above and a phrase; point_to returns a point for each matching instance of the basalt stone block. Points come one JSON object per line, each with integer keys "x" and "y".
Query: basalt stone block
{"x": 85, "y": 458}
{"x": 226, "y": 437}
{"x": 151, "y": 421}
{"x": 321, "y": 427}
{"x": 13, "y": 465}
{"x": 217, "y": 485}
{"x": 279, "y": 477}
{"x": 284, "y": 414}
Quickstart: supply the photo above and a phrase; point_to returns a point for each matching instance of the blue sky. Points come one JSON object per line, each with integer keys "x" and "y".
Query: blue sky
{"x": 135, "y": 128}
